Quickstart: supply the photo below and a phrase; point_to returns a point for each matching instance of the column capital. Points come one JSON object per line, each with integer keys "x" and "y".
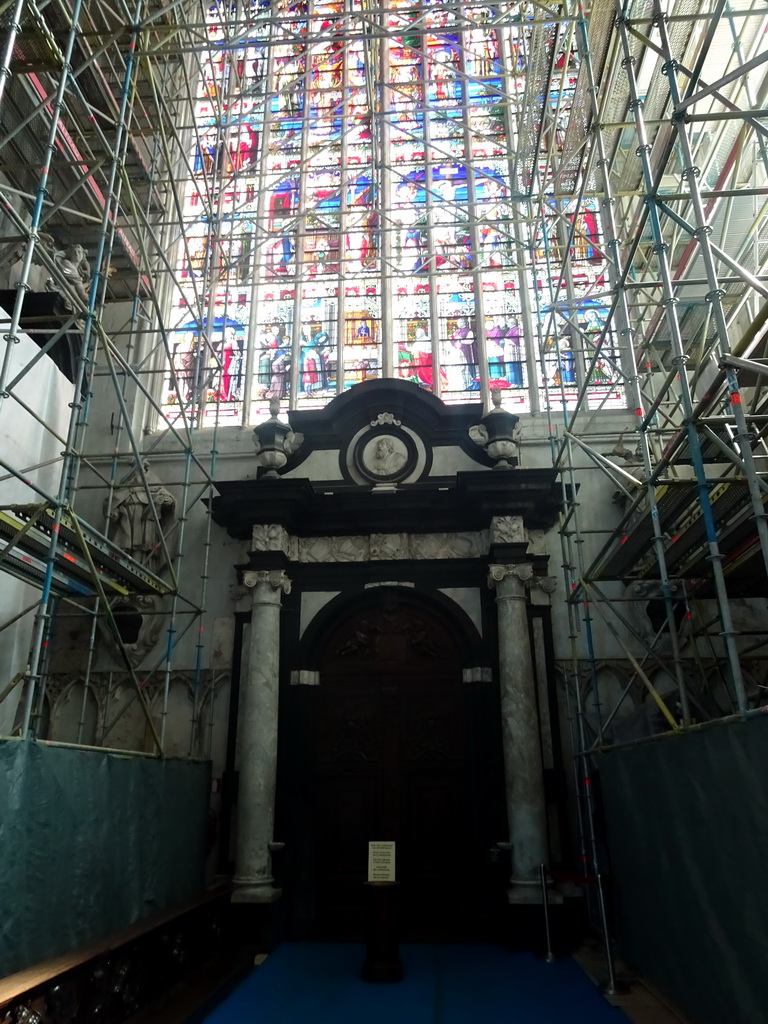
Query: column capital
{"x": 275, "y": 578}
{"x": 522, "y": 574}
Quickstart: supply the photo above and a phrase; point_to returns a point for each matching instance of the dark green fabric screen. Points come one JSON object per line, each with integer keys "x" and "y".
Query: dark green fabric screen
{"x": 91, "y": 842}
{"x": 687, "y": 824}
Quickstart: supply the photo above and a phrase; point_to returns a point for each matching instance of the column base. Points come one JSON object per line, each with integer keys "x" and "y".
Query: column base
{"x": 256, "y": 892}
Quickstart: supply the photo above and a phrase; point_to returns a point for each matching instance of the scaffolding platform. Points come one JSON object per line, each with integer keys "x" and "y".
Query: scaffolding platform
{"x": 25, "y": 543}
{"x": 720, "y": 437}
{"x": 633, "y": 555}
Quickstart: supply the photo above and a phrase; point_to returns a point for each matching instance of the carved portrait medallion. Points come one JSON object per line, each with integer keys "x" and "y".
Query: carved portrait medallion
{"x": 385, "y": 454}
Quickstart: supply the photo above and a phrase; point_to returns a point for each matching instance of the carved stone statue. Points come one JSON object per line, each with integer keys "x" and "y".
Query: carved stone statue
{"x": 135, "y": 527}
{"x": 74, "y": 266}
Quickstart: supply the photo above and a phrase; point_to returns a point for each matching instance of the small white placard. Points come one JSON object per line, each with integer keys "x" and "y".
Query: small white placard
{"x": 381, "y": 862}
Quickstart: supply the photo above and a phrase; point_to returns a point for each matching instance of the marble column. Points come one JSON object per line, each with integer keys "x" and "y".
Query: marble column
{"x": 523, "y": 773}
{"x": 258, "y": 741}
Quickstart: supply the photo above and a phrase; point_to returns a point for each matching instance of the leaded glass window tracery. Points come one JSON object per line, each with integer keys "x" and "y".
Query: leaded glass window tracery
{"x": 357, "y": 207}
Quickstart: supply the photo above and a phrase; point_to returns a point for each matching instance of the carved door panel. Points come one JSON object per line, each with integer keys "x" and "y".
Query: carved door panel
{"x": 434, "y": 797}
{"x": 355, "y": 797}
{"x": 390, "y": 763}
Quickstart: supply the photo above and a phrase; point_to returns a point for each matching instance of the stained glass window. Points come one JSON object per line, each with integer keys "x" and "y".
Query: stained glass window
{"x": 364, "y": 199}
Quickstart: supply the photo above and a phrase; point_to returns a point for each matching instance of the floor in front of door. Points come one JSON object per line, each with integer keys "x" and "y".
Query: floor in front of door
{"x": 229, "y": 991}
{"x": 442, "y": 984}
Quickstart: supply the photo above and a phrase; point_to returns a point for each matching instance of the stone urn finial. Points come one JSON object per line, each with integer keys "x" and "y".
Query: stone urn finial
{"x": 274, "y": 441}
{"x": 498, "y": 433}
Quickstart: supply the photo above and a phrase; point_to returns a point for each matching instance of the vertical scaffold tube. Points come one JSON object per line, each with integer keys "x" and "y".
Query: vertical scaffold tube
{"x": 680, "y": 358}
{"x": 702, "y": 235}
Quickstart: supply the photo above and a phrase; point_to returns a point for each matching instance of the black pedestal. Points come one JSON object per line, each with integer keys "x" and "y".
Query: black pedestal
{"x": 382, "y": 954}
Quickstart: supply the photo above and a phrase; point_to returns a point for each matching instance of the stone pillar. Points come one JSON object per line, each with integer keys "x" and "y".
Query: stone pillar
{"x": 258, "y": 741}
{"x": 523, "y": 775}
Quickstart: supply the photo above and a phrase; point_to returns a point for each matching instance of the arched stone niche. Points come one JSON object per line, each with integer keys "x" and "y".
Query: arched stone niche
{"x": 77, "y": 703}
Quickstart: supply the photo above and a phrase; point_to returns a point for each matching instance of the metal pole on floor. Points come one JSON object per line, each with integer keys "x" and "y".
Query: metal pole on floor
{"x": 610, "y": 988}
{"x": 549, "y": 956}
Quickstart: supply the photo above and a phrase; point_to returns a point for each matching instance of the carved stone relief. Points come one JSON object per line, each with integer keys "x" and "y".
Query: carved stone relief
{"x": 332, "y": 549}
{"x": 364, "y": 640}
{"x": 352, "y": 731}
{"x": 396, "y": 631}
{"x": 385, "y": 453}
{"x": 273, "y": 537}
{"x": 348, "y": 549}
{"x": 387, "y": 547}
{"x": 384, "y": 419}
{"x": 449, "y": 545}
{"x": 507, "y": 530}
{"x": 390, "y": 547}
{"x": 537, "y": 542}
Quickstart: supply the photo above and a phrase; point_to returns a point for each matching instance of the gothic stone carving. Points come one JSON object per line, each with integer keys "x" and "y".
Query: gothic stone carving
{"x": 135, "y": 526}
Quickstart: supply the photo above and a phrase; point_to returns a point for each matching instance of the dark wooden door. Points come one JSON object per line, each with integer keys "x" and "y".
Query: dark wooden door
{"x": 391, "y": 764}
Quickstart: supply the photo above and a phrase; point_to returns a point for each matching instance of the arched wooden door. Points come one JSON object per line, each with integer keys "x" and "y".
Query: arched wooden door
{"x": 392, "y": 744}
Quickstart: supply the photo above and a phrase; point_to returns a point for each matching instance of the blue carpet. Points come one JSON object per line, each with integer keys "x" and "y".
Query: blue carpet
{"x": 314, "y": 983}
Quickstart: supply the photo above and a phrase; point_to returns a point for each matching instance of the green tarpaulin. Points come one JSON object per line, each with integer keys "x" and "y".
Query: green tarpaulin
{"x": 91, "y": 842}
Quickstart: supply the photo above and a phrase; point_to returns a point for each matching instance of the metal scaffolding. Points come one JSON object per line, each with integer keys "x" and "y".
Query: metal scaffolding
{"x": 680, "y": 167}
{"x": 627, "y": 237}
{"x": 89, "y": 158}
